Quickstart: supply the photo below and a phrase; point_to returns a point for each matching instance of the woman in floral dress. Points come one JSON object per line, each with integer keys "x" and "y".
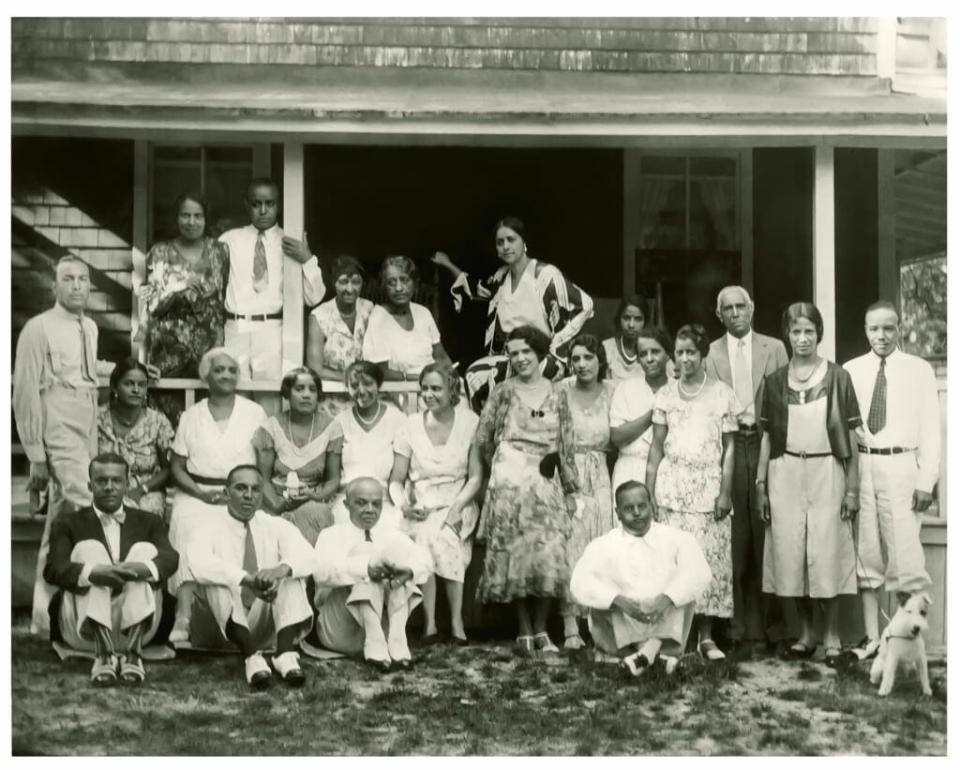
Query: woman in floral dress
{"x": 690, "y": 470}
{"x": 140, "y": 435}
{"x": 181, "y": 303}
{"x": 525, "y": 435}
{"x": 589, "y": 394}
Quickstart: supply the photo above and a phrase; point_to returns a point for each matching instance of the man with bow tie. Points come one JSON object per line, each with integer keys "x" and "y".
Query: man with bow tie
{"x": 368, "y": 577}
{"x": 899, "y": 445}
{"x": 254, "y": 297}
{"x": 109, "y": 563}
{"x": 251, "y": 571}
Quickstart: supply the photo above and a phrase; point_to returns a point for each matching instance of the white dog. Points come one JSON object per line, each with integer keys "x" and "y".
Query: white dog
{"x": 901, "y": 644}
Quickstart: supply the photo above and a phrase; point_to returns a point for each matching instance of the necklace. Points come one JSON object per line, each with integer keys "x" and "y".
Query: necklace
{"x": 688, "y": 393}
{"x": 368, "y": 423}
{"x": 798, "y": 378}
{"x": 629, "y": 359}
{"x": 313, "y": 425}
{"x": 125, "y": 423}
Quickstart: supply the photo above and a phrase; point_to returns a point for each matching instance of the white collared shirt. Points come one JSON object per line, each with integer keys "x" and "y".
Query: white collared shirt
{"x": 111, "y": 533}
{"x": 663, "y": 561}
{"x": 215, "y": 555}
{"x": 748, "y": 415}
{"x": 241, "y": 297}
{"x": 913, "y": 409}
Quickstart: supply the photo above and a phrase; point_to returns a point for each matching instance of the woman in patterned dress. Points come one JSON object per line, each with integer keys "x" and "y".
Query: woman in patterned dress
{"x": 139, "y": 434}
{"x": 589, "y": 394}
{"x": 367, "y": 431}
{"x": 181, "y": 303}
{"x": 809, "y": 463}
{"x": 435, "y": 451}
{"x": 690, "y": 470}
{"x": 303, "y": 442}
{"x": 336, "y": 329}
{"x": 522, "y": 292}
{"x": 525, "y": 435}
{"x": 213, "y": 437}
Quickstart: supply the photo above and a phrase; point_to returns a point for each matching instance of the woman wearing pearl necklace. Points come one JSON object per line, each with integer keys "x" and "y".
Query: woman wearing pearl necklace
{"x": 690, "y": 470}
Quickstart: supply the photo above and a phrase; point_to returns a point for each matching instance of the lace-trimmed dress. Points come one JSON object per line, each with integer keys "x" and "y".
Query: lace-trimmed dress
{"x": 591, "y": 441}
{"x": 341, "y": 347}
{"x": 438, "y": 473}
{"x": 688, "y": 480}
{"x": 309, "y": 461}
{"x": 177, "y": 340}
{"x": 524, "y": 518}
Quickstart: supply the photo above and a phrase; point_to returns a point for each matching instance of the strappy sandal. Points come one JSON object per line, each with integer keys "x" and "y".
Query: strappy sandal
{"x": 709, "y": 650}
{"x": 573, "y": 642}
{"x": 132, "y": 672}
{"x": 800, "y": 651}
{"x": 831, "y": 655}
{"x": 636, "y": 664}
{"x": 542, "y": 643}
{"x": 104, "y": 672}
{"x": 525, "y": 647}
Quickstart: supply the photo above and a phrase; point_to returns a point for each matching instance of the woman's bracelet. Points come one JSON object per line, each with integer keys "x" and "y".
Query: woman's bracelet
{"x": 758, "y": 482}
{"x": 852, "y": 494}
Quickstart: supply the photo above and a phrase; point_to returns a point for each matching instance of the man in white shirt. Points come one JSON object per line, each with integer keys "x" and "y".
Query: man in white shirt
{"x": 109, "y": 564}
{"x": 367, "y": 580}
{"x": 899, "y": 443}
{"x": 742, "y": 358}
{"x": 251, "y": 571}
{"x": 640, "y": 581}
{"x": 254, "y": 296}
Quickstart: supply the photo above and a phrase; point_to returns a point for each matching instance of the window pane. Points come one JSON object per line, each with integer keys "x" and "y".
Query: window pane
{"x": 662, "y": 214}
{"x": 713, "y": 219}
{"x": 662, "y": 164}
{"x": 176, "y": 153}
{"x": 241, "y": 155}
{"x": 225, "y": 187}
{"x": 713, "y": 167}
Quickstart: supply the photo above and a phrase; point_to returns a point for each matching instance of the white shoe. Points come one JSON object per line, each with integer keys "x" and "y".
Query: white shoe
{"x": 636, "y": 664}
{"x": 180, "y": 633}
{"x": 670, "y": 663}
{"x": 867, "y": 649}
{"x": 257, "y": 671}
{"x": 288, "y": 667}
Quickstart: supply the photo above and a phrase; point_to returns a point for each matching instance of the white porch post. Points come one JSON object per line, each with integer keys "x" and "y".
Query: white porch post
{"x": 293, "y": 220}
{"x": 824, "y": 244}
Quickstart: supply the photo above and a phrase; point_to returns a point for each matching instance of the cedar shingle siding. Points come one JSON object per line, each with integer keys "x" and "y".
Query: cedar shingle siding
{"x": 776, "y": 46}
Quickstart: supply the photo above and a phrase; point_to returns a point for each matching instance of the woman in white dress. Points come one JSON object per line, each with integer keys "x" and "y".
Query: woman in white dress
{"x": 623, "y": 354}
{"x": 300, "y": 451}
{"x": 213, "y": 437}
{"x": 435, "y": 451}
{"x": 368, "y": 429}
{"x": 631, "y": 409}
{"x": 402, "y": 336}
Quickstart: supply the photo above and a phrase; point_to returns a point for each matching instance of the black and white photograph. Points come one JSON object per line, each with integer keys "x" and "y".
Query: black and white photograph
{"x": 512, "y": 383}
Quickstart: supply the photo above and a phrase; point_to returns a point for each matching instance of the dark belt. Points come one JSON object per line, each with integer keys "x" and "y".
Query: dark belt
{"x": 207, "y": 480}
{"x": 746, "y": 429}
{"x": 893, "y": 450}
{"x": 256, "y": 316}
{"x": 807, "y": 455}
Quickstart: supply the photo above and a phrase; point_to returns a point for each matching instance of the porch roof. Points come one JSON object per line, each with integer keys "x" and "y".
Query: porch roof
{"x": 451, "y": 106}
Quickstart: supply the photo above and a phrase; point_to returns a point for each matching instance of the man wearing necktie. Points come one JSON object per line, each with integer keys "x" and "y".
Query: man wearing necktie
{"x": 899, "y": 445}
{"x": 55, "y": 406}
{"x": 250, "y": 568}
{"x": 742, "y": 358}
{"x": 254, "y": 295}
{"x": 109, "y": 563}
{"x": 367, "y": 580}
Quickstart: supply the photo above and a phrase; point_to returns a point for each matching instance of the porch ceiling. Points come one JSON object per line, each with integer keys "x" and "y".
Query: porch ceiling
{"x": 411, "y": 103}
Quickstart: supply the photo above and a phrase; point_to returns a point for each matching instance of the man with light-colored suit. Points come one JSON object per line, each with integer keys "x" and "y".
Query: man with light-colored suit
{"x": 742, "y": 358}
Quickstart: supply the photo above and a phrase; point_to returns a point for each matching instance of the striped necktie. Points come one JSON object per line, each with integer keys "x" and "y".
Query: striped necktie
{"x": 877, "y": 417}
{"x": 742, "y": 380}
{"x": 259, "y": 265}
{"x": 366, "y": 536}
{"x": 247, "y": 596}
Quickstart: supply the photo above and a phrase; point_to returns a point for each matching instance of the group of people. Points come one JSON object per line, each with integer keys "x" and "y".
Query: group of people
{"x": 652, "y": 484}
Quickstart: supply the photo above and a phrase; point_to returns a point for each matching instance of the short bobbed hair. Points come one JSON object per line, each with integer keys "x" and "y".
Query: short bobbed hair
{"x": 632, "y": 300}
{"x": 402, "y": 263}
{"x": 365, "y": 369}
{"x": 697, "y": 335}
{"x": 290, "y": 379}
{"x": 449, "y": 376}
{"x": 797, "y": 311}
{"x": 347, "y": 265}
{"x": 593, "y": 344}
{"x": 194, "y": 197}
{"x": 513, "y": 223}
{"x": 659, "y": 335}
{"x": 203, "y": 368}
{"x": 538, "y": 341}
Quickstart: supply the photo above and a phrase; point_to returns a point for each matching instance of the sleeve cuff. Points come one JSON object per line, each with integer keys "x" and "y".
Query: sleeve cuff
{"x": 35, "y": 453}
{"x": 84, "y": 580}
{"x": 926, "y": 482}
{"x": 357, "y": 567}
{"x": 154, "y": 572}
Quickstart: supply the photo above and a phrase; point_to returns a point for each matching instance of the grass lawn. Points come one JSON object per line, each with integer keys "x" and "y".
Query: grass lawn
{"x": 475, "y": 700}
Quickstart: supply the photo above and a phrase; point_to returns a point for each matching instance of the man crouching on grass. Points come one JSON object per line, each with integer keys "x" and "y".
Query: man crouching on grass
{"x": 250, "y": 569}
{"x": 640, "y": 581}
{"x": 109, "y": 562}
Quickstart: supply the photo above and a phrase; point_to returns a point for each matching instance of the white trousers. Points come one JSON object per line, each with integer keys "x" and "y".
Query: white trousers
{"x": 612, "y": 629}
{"x": 137, "y": 602}
{"x": 257, "y": 346}
{"x": 889, "y": 550}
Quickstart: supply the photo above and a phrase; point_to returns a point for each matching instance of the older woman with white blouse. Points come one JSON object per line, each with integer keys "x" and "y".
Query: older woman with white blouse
{"x": 214, "y": 436}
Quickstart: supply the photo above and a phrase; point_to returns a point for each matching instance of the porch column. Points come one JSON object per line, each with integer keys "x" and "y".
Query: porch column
{"x": 824, "y": 269}
{"x": 293, "y": 219}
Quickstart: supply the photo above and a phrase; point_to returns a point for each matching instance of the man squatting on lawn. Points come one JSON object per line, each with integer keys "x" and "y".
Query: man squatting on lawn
{"x": 640, "y": 581}
{"x": 109, "y": 563}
